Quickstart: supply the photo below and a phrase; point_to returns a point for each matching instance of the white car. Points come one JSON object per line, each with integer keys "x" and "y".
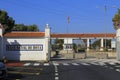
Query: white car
{"x": 3, "y": 71}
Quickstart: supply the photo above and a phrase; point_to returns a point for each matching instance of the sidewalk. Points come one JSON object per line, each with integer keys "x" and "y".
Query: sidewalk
{"x": 14, "y": 63}
{"x": 100, "y": 60}
{"x": 21, "y": 63}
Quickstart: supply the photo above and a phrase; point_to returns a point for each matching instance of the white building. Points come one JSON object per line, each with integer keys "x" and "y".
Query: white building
{"x": 25, "y": 45}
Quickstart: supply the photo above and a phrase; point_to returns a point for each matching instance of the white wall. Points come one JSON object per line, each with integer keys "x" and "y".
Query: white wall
{"x": 25, "y": 55}
{"x": 118, "y": 44}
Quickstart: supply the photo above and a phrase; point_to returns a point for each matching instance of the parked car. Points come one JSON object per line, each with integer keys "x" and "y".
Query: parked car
{"x": 3, "y": 71}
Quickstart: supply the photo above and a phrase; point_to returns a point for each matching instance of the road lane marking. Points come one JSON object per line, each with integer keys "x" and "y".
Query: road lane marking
{"x": 56, "y": 74}
{"x": 111, "y": 63}
{"x": 55, "y": 64}
{"x": 118, "y": 70}
{"x": 27, "y": 64}
{"x": 46, "y": 64}
{"x": 36, "y": 64}
{"x": 65, "y": 64}
{"x": 75, "y": 64}
{"x": 56, "y": 78}
{"x": 102, "y": 64}
{"x": 94, "y": 63}
{"x": 56, "y": 70}
{"x": 85, "y": 64}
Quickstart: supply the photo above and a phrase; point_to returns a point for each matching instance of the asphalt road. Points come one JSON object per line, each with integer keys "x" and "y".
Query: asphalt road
{"x": 67, "y": 70}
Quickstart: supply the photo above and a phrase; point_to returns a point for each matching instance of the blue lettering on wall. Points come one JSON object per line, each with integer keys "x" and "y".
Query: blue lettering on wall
{"x": 24, "y": 47}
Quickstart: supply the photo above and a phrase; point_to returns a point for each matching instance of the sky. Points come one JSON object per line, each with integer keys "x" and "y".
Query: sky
{"x": 86, "y": 16}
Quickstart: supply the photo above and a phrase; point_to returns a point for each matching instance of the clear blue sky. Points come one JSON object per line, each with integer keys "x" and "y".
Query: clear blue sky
{"x": 86, "y": 16}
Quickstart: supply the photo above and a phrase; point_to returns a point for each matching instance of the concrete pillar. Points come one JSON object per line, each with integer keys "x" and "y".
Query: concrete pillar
{"x": 101, "y": 44}
{"x": 88, "y": 44}
{"x": 118, "y": 43}
{"x": 47, "y": 42}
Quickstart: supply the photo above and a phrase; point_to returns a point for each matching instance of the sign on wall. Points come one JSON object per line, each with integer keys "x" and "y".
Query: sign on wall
{"x": 25, "y": 47}
{"x": 113, "y": 44}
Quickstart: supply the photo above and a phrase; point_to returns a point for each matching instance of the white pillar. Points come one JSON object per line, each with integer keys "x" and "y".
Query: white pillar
{"x": 101, "y": 44}
{"x": 47, "y": 42}
{"x": 118, "y": 43}
{"x": 88, "y": 44}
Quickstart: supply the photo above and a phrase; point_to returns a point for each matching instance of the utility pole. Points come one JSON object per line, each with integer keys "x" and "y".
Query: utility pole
{"x": 105, "y": 23}
{"x": 68, "y": 19}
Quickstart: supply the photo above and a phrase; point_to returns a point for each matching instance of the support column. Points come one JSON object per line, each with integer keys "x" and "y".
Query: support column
{"x": 101, "y": 44}
{"x": 117, "y": 28}
{"x": 47, "y": 42}
{"x": 88, "y": 44}
{"x": 118, "y": 43}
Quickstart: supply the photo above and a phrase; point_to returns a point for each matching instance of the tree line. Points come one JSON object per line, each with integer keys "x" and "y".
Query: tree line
{"x": 22, "y": 27}
{"x": 10, "y": 25}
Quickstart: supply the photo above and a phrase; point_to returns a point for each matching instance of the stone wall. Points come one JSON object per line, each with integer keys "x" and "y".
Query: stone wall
{"x": 101, "y": 55}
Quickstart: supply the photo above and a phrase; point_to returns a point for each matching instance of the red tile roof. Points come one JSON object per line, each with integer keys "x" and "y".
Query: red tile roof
{"x": 42, "y": 34}
{"x": 25, "y": 34}
{"x": 82, "y": 35}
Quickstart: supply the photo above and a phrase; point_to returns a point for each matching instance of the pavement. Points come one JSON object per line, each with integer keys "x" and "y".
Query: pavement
{"x": 23, "y": 63}
{"x": 81, "y": 69}
{"x": 14, "y": 64}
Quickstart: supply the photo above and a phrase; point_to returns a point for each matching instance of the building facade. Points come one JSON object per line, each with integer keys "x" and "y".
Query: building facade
{"x": 25, "y": 45}
{"x": 36, "y": 45}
